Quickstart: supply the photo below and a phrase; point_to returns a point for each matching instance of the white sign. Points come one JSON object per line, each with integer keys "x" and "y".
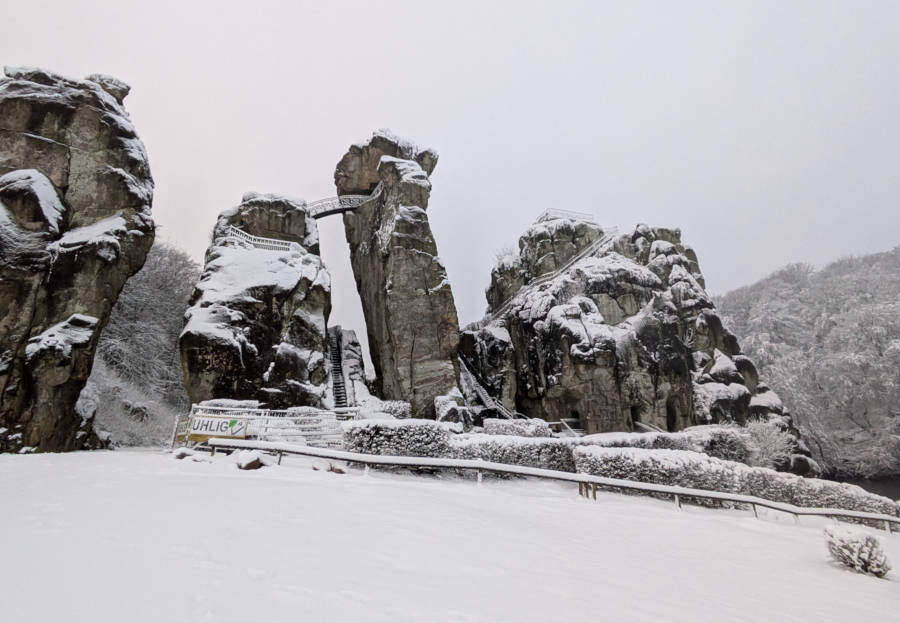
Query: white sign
{"x": 217, "y": 426}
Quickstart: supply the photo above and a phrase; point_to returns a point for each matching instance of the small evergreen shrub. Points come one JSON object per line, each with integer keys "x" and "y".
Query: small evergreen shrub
{"x": 857, "y": 550}
{"x": 397, "y": 437}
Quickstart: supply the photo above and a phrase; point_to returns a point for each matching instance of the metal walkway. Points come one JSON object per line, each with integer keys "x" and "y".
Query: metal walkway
{"x": 344, "y": 203}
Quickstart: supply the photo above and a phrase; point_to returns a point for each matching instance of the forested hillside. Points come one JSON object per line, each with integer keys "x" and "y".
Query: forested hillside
{"x": 136, "y": 383}
{"x": 828, "y": 342}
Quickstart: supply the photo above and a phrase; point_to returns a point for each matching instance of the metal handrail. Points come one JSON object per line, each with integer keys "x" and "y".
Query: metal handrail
{"x": 483, "y": 395}
{"x": 341, "y": 203}
{"x": 552, "y": 213}
{"x": 268, "y": 244}
{"x": 586, "y": 482}
{"x": 604, "y": 239}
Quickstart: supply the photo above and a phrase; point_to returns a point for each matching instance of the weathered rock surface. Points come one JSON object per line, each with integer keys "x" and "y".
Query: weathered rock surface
{"x": 626, "y": 334}
{"x": 256, "y": 328}
{"x": 75, "y": 224}
{"x": 408, "y": 305}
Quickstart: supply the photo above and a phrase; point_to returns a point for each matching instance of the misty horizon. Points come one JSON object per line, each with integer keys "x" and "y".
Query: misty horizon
{"x": 768, "y": 135}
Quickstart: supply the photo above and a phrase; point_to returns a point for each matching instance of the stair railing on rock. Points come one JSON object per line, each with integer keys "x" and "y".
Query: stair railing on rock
{"x": 486, "y": 399}
{"x": 607, "y": 236}
{"x": 267, "y": 244}
{"x": 587, "y": 484}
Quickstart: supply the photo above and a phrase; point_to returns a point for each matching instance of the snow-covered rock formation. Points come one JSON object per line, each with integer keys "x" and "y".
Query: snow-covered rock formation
{"x": 408, "y": 305}
{"x": 75, "y": 224}
{"x": 256, "y": 328}
{"x": 610, "y": 331}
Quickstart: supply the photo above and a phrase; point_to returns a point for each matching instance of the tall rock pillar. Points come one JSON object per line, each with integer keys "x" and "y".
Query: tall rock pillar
{"x": 75, "y": 224}
{"x": 410, "y": 314}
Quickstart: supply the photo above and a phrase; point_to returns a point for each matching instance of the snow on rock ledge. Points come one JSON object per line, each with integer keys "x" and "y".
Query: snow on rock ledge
{"x": 256, "y": 328}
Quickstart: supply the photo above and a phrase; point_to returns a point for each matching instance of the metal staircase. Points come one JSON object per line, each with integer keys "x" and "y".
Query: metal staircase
{"x": 338, "y": 389}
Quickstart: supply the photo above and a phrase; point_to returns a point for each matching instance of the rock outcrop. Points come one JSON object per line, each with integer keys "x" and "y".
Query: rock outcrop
{"x": 256, "y": 327}
{"x": 75, "y": 224}
{"x": 610, "y": 332}
{"x": 408, "y": 305}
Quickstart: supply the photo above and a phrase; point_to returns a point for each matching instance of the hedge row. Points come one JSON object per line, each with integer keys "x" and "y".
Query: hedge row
{"x": 698, "y": 471}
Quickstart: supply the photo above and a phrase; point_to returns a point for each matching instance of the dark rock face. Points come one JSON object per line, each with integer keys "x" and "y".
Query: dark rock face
{"x": 75, "y": 224}
{"x": 625, "y": 334}
{"x": 410, "y": 314}
{"x": 256, "y": 328}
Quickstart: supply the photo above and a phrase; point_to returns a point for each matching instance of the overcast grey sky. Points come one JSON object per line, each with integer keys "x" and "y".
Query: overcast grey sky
{"x": 767, "y": 131}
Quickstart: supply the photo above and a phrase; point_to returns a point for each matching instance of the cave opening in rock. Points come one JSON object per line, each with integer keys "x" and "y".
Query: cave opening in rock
{"x": 635, "y": 414}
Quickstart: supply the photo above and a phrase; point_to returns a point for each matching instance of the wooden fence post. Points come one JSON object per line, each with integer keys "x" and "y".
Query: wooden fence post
{"x": 280, "y": 454}
{"x": 366, "y": 469}
{"x": 887, "y": 526}
{"x": 479, "y": 477}
{"x": 755, "y": 514}
{"x": 677, "y": 501}
{"x": 594, "y": 487}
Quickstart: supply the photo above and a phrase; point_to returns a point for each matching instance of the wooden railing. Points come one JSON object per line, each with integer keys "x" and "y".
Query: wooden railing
{"x": 587, "y": 484}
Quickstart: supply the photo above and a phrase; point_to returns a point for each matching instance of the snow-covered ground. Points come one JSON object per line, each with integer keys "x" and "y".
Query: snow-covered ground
{"x": 139, "y": 536}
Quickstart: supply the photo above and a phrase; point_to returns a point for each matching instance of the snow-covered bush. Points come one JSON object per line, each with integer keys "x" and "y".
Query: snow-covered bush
{"x": 857, "y": 550}
{"x": 397, "y": 437}
{"x": 728, "y": 445}
{"x": 680, "y": 468}
{"x": 698, "y": 471}
{"x": 533, "y": 427}
{"x": 542, "y": 452}
{"x": 772, "y": 445}
{"x": 397, "y": 408}
{"x": 647, "y": 441}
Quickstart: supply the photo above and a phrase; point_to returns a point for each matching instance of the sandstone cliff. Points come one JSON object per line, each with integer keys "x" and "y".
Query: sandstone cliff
{"x": 256, "y": 328}
{"x": 610, "y": 332}
{"x": 75, "y": 224}
{"x": 408, "y": 305}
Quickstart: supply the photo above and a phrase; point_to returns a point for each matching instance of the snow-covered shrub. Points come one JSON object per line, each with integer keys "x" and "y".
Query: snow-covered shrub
{"x": 727, "y": 444}
{"x": 542, "y": 452}
{"x": 680, "y": 468}
{"x": 397, "y": 437}
{"x": 397, "y": 408}
{"x": 698, "y": 471}
{"x": 857, "y": 550}
{"x": 772, "y": 445}
{"x": 647, "y": 441}
{"x": 533, "y": 427}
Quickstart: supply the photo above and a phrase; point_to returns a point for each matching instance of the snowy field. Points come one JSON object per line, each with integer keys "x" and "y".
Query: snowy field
{"x": 139, "y": 536}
